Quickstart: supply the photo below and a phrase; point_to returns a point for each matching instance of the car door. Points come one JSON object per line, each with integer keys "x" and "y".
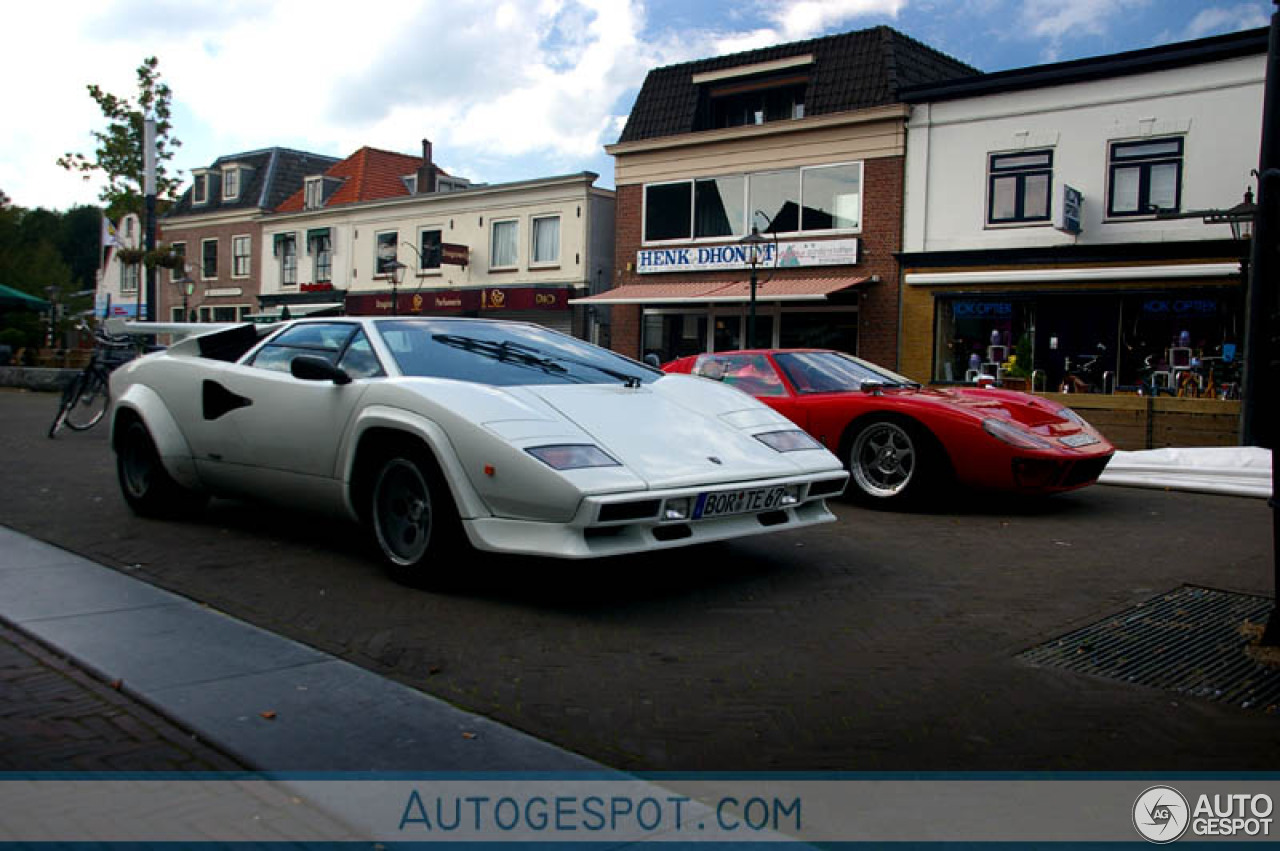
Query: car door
{"x": 259, "y": 417}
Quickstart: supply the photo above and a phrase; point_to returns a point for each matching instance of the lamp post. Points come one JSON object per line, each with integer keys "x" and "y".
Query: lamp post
{"x": 753, "y": 242}
{"x": 395, "y": 271}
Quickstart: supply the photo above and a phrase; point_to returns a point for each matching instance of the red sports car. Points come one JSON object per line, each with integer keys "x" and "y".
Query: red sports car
{"x": 898, "y": 439}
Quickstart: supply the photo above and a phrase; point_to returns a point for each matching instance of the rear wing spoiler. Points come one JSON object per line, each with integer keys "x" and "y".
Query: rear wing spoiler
{"x": 119, "y": 327}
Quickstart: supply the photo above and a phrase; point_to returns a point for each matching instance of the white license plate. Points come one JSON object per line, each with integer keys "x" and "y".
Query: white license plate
{"x": 723, "y": 503}
{"x": 1077, "y": 440}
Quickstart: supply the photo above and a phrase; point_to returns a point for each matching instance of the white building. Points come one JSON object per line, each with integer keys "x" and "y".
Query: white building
{"x": 517, "y": 250}
{"x": 1034, "y": 202}
{"x": 120, "y": 290}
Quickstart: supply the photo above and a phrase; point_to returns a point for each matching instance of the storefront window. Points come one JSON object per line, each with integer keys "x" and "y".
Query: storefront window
{"x": 977, "y": 335}
{"x": 673, "y": 335}
{"x": 832, "y": 197}
{"x": 827, "y": 330}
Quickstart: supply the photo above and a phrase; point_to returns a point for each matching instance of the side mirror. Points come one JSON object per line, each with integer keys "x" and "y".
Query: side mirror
{"x": 713, "y": 370}
{"x": 875, "y": 388}
{"x": 315, "y": 368}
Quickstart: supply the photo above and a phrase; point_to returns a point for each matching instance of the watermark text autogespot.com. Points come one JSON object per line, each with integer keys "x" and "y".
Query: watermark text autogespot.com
{"x": 483, "y": 814}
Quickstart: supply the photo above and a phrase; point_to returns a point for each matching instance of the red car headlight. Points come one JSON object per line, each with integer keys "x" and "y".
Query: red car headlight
{"x": 1014, "y": 436}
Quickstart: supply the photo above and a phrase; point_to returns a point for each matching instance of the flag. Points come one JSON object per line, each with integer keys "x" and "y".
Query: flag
{"x": 109, "y": 235}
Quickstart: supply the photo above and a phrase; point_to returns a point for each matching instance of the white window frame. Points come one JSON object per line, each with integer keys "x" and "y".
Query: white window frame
{"x": 288, "y": 237}
{"x": 493, "y": 227}
{"x": 236, "y": 257}
{"x": 378, "y": 271}
{"x": 747, "y": 204}
{"x": 313, "y": 193}
{"x": 424, "y": 270}
{"x": 554, "y": 262}
{"x": 130, "y": 277}
{"x": 199, "y": 188}
{"x": 231, "y": 183}
{"x": 177, "y": 276}
{"x": 203, "y": 243}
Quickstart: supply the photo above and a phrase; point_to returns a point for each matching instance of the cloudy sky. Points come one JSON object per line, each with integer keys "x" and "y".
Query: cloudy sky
{"x": 505, "y": 89}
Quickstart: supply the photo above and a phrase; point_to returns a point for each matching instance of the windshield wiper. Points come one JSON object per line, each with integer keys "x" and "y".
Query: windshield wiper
{"x": 503, "y": 351}
{"x": 520, "y": 353}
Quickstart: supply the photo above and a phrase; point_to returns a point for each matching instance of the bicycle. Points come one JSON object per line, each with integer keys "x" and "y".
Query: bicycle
{"x": 86, "y": 398}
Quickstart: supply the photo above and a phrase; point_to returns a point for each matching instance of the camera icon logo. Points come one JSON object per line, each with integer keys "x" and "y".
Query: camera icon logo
{"x": 1161, "y": 814}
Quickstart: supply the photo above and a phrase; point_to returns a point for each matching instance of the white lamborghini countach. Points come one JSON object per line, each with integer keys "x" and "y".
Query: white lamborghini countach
{"x": 436, "y": 433}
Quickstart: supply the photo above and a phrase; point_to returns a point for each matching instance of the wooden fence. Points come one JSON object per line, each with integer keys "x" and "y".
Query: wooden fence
{"x": 1155, "y": 422}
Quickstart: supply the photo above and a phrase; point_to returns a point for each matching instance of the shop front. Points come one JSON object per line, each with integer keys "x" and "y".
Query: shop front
{"x": 678, "y": 319}
{"x": 540, "y": 304}
{"x": 1113, "y": 329}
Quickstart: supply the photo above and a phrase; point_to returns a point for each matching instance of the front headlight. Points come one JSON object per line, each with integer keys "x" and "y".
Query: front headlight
{"x": 791, "y": 440}
{"x": 1014, "y": 436}
{"x": 573, "y": 456}
{"x": 1072, "y": 416}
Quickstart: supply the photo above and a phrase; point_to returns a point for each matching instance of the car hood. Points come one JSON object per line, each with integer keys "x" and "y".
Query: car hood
{"x": 1029, "y": 411}
{"x": 681, "y": 431}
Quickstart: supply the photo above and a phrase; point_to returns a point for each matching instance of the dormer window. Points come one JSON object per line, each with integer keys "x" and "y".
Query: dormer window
{"x": 754, "y": 94}
{"x": 314, "y": 193}
{"x": 200, "y": 187}
{"x": 411, "y": 183}
{"x": 231, "y": 183}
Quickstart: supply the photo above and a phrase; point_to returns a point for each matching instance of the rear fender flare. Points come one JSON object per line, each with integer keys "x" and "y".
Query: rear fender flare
{"x": 175, "y": 453}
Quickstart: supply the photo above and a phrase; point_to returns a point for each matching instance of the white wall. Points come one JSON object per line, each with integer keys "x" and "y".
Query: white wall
{"x": 1217, "y": 107}
{"x": 464, "y": 218}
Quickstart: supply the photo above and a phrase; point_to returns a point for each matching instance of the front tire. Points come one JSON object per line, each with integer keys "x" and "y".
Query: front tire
{"x": 413, "y": 518}
{"x": 144, "y": 482}
{"x": 891, "y": 462}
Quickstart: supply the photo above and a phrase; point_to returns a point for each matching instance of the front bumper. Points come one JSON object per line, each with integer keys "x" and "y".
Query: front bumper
{"x": 618, "y": 524}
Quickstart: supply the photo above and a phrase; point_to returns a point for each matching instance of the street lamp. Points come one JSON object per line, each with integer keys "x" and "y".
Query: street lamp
{"x": 754, "y": 243}
{"x": 395, "y": 271}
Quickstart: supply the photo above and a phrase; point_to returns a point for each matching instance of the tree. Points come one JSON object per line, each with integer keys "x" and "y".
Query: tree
{"x": 119, "y": 155}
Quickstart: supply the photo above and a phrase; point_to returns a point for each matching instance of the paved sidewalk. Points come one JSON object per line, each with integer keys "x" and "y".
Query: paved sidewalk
{"x": 237, "y": 696}
{"x": 56, "y": 717}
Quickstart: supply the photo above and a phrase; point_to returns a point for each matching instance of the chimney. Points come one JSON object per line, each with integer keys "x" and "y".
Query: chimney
{"x": 427, "y": 171}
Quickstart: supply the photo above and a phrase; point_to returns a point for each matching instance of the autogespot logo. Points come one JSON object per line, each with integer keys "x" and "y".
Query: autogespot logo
{"x": 1160, "y": 814}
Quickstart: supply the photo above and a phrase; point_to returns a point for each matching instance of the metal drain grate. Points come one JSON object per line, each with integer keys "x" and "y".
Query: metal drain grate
{"x": 1188, "y": 641}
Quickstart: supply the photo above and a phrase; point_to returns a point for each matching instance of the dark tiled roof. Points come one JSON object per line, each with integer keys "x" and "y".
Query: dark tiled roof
{"x": 1163, "y": 57}
{"x": 277, "y": 174}
{"x": 367, "y": 175}
{"x": 850, "y": 71}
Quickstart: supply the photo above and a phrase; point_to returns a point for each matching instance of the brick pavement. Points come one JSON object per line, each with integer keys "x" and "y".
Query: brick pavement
{"x": 55, "y": 716}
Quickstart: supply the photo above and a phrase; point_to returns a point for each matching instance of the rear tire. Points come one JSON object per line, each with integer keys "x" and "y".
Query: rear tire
{"x": 90, "y": 404}
{"x": 144, "y": 482}
{"x": 413, "y": 518}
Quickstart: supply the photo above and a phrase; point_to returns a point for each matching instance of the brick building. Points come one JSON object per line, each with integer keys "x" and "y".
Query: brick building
{"x": 801, "y": 143}
{"x": 216, "y": 226}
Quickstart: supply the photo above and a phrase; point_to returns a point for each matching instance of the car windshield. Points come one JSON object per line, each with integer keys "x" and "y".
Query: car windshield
{"x": 830, "y": 372}
{"x": 504, "y": 354}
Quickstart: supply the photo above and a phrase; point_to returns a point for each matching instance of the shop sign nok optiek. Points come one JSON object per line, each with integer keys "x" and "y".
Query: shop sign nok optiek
{"x": 709, "y": 258}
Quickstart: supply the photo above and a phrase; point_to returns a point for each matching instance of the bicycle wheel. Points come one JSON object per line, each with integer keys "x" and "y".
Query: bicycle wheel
{"x": 70, "y": 394}
{"x": 90, "y": 406}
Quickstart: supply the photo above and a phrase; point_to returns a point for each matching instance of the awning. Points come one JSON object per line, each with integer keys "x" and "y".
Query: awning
{"x": 9, "y": 297}
{"x": 719, "y": 292}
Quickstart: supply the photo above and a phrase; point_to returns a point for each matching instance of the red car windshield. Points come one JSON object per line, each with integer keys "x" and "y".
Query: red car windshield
{"x": 832, "y": 372}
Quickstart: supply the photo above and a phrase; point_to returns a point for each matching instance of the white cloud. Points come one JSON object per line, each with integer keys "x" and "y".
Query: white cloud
{"x": 801, "y": 19}
{"x": 1224, "y": 19}
{"x": 1057, "y": 21}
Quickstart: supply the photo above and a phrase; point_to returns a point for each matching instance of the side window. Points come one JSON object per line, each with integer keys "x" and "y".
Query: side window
{"x": 751, "y": 374}
{"x": 359, "y": 361}
{"x": 324, "y": 339}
